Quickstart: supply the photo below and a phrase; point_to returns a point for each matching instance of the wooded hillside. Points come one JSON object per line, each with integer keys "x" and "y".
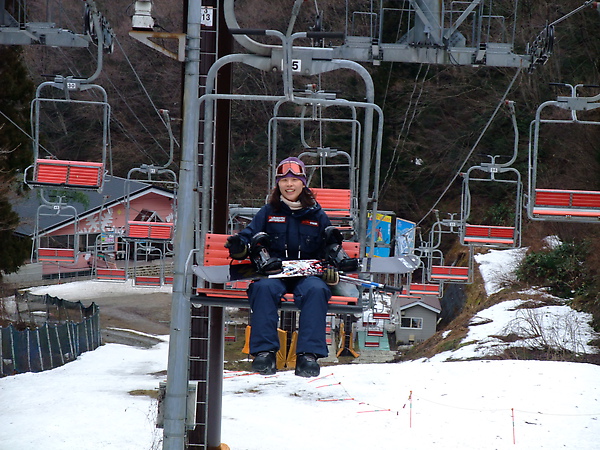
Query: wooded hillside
{"x": 434, "y": 115}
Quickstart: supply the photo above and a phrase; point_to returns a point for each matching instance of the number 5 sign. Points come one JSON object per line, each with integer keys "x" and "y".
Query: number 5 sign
{"x": 296, "y": 65}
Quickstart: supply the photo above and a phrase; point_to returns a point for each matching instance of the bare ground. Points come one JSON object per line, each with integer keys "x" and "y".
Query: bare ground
{"x": 145, "y": 313}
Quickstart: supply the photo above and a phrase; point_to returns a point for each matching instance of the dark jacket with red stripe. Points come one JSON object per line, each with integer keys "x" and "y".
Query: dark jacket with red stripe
{"x": 294, "y": 234}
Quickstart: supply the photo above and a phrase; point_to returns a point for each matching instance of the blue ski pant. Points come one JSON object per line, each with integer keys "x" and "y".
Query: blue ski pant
{"x": 311, "y": 297}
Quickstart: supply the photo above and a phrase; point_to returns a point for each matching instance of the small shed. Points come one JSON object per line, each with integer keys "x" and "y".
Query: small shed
{"x": 415, "y": 317}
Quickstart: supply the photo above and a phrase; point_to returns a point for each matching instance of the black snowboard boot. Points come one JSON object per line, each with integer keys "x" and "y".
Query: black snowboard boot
{"x": 265, "y": 363}
{"x": 307, "y": 365}
{"x": 334, "y": 252}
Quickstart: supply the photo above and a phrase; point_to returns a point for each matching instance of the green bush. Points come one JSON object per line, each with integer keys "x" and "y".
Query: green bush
{"x": 561, "y": 269}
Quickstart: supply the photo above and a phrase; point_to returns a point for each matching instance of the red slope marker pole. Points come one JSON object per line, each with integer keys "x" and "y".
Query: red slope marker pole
{"x": 513, "y": 425}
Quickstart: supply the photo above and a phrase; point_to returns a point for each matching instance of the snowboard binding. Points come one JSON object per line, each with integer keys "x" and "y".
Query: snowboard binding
{"x": 260, "y": 256}
{"x": 334, "y": 252}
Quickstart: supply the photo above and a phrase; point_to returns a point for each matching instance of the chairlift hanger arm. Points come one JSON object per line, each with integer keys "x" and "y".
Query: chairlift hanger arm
{"x": 494, "y": 167}
{"x": 542, "y": 47}
{"x": 571, "y": 103}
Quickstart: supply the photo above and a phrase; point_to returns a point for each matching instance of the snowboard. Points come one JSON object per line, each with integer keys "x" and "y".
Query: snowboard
{"x": 303, "y": 268}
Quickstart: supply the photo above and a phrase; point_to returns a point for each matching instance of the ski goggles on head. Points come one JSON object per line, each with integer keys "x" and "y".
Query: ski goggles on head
{"x": 290, "y": 167}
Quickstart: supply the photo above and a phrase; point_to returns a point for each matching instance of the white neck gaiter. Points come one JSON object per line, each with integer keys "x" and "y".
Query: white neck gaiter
{"x": 294, "y": 206}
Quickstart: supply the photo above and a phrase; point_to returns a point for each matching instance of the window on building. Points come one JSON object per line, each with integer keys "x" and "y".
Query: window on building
{"x": 411, "y": 322}
{"x": 59, "y": 241}
{"x": 148, "y": 216}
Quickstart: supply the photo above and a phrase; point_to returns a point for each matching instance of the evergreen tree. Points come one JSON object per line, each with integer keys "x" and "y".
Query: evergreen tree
{"x": 15, "y": 96}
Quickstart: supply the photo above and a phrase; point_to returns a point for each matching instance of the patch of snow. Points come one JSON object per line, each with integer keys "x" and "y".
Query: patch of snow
{"x": 498, "y": 267}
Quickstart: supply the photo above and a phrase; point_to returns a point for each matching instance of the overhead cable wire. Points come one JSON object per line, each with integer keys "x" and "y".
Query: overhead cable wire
{"x": 68, "y": 59}
{"x": 395, "y": 158}
{"x": 142, "y": 86}
{"x": 464, "y": 163}
{"x": 387, "y": 85}
{"x": 16, "y": 125}
{"x": 146, "y": 154}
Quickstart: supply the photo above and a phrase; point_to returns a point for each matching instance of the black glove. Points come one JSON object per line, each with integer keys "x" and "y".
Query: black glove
{"x": 238, "y": 249}
{"x": 349, "y": 265}
{"x": 331, "y": 276}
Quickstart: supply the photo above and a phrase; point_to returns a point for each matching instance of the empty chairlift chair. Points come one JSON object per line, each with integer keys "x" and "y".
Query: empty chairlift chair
{"x": 435, "y": 268}
{"x": 554, "y": 203}
{"x": 61, "y": 173}
{"x": 508, "y": 181}
{"x": 54, "y": 254}
{"x": 149, "y": 230}
{"x": 148, "y": 237}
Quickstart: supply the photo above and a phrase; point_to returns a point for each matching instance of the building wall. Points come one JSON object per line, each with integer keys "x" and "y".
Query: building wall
{"x": 116, "y": 216}
{"x": 90, "y": 227}
{"x": 429, "y": 319}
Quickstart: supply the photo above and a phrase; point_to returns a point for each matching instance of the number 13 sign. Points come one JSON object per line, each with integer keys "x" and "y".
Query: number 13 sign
{"x": 207, "y": 16}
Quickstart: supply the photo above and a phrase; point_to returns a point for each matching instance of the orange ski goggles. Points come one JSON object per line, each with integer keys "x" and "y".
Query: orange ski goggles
{"x": 290, "y": 166}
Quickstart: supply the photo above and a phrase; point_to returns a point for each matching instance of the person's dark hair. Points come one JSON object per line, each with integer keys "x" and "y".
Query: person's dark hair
{"x": 306, "y": 198}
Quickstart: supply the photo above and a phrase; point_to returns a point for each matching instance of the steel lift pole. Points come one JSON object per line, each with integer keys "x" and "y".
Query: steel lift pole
{"x": 177, "y": 367}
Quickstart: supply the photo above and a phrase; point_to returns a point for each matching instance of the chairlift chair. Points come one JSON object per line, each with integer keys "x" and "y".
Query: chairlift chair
{"x": 145, "y": 249}
{"x": 70, "y": 174}
{"x": 560, "y": 204}
{"x": 495, "y": 236}
{"x": 110, "y": 273}
{"x": 57, "y": 255}
{"x": 155, "y": 175}
{"x": 437, "y": 271}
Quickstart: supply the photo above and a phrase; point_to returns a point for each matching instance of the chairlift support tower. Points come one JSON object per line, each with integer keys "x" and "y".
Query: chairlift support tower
{"x": 468, "y": 33}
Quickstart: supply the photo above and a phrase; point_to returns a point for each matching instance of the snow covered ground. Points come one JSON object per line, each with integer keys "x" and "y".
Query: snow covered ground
{"x": 424, "y": 404}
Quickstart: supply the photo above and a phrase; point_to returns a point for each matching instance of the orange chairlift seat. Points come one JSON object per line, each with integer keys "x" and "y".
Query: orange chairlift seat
{"x": 48, "y": 172}
{"x": 490, "y": 235}
{"x": 337, "y": 203}
{"x": 566, "y": 203}
{"x": 553, "y": 204}
{"x": 450, "y": 274}
{"x": 105, "y": 274}
{"x": 149, "y": 230}
{"x": 423, "y": 289}
{"x": 56, "y": 254}
{"x": 148, "y": 280}
{"x": 73, "y": 174}
{"x": 216, "y": 254}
